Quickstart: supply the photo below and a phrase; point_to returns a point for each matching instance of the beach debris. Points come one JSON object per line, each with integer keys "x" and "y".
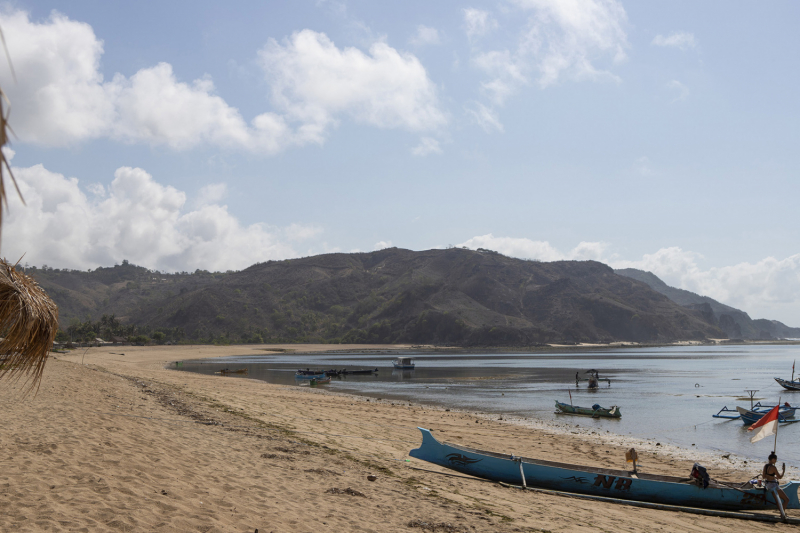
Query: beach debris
{"x": 372, "y": 477}
{"x": 163, "y": 492}
{"x": 348, "y": 490}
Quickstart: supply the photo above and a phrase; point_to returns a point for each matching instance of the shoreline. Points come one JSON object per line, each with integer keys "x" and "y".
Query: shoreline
{"x": 709, "y": 456}
{"x": 122, "y": 443}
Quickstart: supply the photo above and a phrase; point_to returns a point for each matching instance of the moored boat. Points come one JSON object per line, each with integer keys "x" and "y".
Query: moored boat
{"x": 638, "y": 486}
{"x": 309, "y": 376}
{"x": 793, "y": 385}
{"x": 750, "y": 417}
{"x": 403, "y": 363}
{"x": 593, "y": 411}
{"x": 359, "y": 371}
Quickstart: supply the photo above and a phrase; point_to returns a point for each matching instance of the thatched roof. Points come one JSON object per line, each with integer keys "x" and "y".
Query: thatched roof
{"x": 28, "y": 321}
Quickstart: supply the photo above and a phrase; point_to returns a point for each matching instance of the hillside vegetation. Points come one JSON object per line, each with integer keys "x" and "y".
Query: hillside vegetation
{"x": 453, "y": 296}
{"x": 735, "y": 323}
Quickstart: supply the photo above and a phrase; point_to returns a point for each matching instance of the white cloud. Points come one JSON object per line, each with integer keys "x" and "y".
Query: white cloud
{"x": 301, "y": 232}
{"x": 564, "y": 39}
{"x": 62, "y": 97}
{"x": 485, "y": 117}
{"x": 382, "y": 245}
{"x": 568, "y": 36}
{"x": 681, "y": 40}
{"x": 506, "y": 72}
{"x": 427, "y": 146}
{"x": 211, "y": 194}
{"x": 425, "y": 35}
{"x": 769, "y": 288}
{"x": 314, "y": 82}
{"x": 681, "y": 90}
{"x": 538, "y": 250}
{"x": 478, "y": 22}
{"x": 138, "y": 219}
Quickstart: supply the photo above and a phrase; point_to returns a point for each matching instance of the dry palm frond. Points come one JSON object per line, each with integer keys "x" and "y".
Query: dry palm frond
{"x": 28, "y": 323}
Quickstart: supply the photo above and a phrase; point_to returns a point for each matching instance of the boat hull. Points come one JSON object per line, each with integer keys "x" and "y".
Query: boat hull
{"x": 751, "y": 417}
{"x": 788, "y": 385}
{"x": 596, "y": 481}
{"x": 565, "y": 408}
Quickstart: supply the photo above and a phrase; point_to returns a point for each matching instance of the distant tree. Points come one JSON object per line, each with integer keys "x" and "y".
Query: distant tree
{"x": 159, "y": 337}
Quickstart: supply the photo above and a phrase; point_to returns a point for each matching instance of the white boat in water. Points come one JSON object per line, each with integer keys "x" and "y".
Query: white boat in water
{"x": 403, "y": 363}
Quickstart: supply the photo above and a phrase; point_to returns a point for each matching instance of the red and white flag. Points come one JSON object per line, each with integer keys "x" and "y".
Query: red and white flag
{"x": 768, "y": 424}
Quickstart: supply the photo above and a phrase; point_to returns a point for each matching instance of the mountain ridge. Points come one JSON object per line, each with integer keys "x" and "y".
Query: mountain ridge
{"x": 456, "y": 296}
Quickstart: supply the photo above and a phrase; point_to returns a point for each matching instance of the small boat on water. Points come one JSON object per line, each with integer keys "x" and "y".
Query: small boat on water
{"x": 298, "y": 375}
{"x": 791, "y": 384}
{"x": 403, "y": 363}
{"x": 319, "y": 381}
{"x": 309, "y": 372}
{"x": 346, "y": 372}
{"x": 750, "y": 417}
{"x": 638, "y": 486}
{"x": 225, "y": 371}
{"x": 594, "y": 411}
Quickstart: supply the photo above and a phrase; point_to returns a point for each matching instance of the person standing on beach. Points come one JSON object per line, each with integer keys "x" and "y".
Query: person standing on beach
{"x": 771, "y": 477}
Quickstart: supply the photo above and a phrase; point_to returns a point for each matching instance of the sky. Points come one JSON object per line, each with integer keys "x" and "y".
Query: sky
{"x": 189, "y": 135}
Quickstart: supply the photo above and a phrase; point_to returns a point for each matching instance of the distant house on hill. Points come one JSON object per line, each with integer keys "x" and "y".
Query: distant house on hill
{"x": 118, "y": 340}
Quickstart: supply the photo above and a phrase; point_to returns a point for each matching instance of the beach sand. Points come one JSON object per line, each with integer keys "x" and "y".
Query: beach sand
{"x": 120, "y": 443}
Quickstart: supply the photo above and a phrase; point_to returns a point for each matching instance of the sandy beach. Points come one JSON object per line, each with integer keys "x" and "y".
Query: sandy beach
{"x": 119, "y": 443}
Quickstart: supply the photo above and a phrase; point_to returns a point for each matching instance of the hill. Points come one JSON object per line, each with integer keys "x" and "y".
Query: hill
{"x": 735, "y": 323}
{"x": 453, "y": 296}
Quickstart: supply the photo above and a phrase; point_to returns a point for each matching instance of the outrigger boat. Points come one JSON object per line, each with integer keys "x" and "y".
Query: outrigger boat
{"x": 593, "y": 411}
{"x": 790, "y": 384}
{"x": 750, "y": 417}
{"x": 787, "y": 411}
{"x": 671, "y": 490}
{"x": 594, "y": 379}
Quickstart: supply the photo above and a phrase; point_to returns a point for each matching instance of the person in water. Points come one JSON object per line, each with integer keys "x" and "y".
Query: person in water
{"x": 771, "y": 477}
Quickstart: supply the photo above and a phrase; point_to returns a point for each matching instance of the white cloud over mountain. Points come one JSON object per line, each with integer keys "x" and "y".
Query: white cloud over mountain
{"x": 138, "y": 219}
{"x": 769, "y": 288}
{"x": 62, "y": 98}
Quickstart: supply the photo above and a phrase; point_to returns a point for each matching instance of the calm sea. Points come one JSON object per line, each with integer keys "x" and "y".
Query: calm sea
{"x": 666, "y": 394}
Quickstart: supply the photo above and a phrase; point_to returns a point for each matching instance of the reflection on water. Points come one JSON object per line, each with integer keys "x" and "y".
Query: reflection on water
{"x": 667, "y": 394}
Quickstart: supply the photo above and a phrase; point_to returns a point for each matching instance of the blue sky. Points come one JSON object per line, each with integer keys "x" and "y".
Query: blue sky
{"x": 184, "y": 135}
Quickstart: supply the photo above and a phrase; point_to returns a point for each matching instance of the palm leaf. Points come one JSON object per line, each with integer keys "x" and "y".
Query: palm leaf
{"x": 28, "y": 322}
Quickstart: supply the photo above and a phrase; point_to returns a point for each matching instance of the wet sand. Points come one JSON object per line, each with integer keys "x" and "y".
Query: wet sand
{"x": 122, "y": 444}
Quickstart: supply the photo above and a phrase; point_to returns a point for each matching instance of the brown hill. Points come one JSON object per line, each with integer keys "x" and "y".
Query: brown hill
{"x": 453, "y": 296}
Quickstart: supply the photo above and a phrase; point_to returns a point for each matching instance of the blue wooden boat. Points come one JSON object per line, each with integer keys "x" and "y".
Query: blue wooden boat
{"x": 793, "y": 385}
{"x": 621, "y": 484}
{"x": 733, "y": 414}
{"x": 750, "y": 417}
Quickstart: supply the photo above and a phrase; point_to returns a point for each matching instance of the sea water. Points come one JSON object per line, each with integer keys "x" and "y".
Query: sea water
{"x": 666, "y": 394}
